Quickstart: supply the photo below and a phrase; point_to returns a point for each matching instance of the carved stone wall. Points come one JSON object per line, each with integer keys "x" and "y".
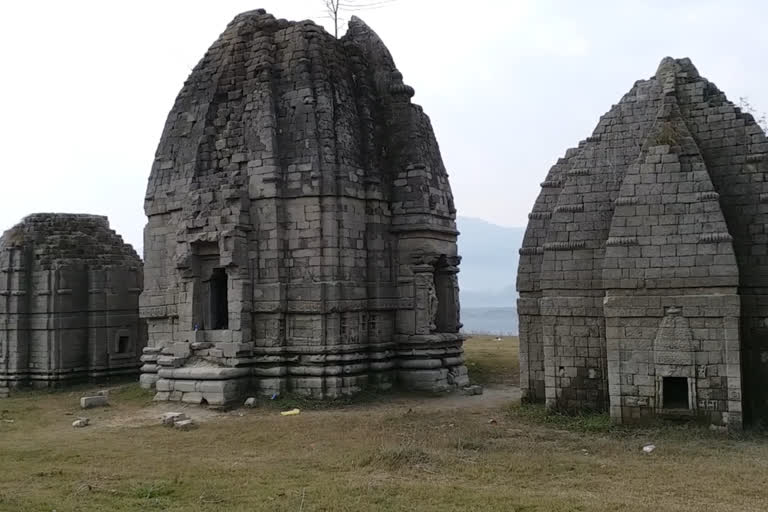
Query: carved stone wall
{"x": 658, "y": 210}
{"x": 295, "y": 168}
{"x": 69, "y": 291}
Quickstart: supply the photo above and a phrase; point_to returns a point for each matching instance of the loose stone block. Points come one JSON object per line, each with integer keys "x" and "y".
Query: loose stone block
{"x": 472, "y": 390}
{"x": 185, "y": 425}
{"x": 87, "y": 402}
{"x": 170, "y": 418}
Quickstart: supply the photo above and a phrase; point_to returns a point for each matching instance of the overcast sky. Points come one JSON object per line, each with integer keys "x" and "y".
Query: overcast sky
{"x": 509, "y": 85}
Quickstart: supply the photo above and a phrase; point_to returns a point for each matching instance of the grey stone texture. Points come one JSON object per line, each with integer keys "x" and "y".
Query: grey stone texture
{"x": 69, "y": 302}
{"x": 645, "y": 262}
{"x": 301, "y": 229}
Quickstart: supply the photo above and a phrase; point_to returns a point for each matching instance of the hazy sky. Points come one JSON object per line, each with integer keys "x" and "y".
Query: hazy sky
{"x": 509, "y": 85}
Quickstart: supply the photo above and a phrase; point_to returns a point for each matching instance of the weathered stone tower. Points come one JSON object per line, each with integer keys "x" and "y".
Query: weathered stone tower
{"x": 643, "y": 275}
{"x": 69, "y": 301}
{"x": 301, "y": 230}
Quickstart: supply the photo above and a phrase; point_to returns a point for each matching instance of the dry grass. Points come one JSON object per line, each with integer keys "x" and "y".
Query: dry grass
{"x": 401, "y": 453}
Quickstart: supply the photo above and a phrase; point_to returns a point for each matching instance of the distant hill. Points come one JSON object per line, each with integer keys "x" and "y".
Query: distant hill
{"x": 489, "y": 263}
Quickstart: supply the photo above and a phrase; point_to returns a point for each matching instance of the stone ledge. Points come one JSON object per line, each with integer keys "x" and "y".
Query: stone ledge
{"x": 203, "y": 373}
{"x": 530, "y": 250}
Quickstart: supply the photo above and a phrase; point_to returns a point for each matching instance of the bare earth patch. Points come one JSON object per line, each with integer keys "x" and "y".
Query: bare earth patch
{"x": 399, "y": 452}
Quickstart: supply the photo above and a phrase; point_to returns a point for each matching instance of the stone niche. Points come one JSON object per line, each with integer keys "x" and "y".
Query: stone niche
{"x": 69, "y": 293}
{"x": 642, "y": 274}
{"x": 301, "y": 230}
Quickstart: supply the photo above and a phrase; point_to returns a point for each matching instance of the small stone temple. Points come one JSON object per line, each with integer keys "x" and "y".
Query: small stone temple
{"x": 643, "y": 274}
{"x": 301, "y": 230}
{"x": 69, "y": 302}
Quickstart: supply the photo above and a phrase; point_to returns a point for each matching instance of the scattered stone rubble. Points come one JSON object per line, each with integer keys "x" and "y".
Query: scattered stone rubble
{"x": 178, "y": 420}
{"x": 81, "y": 422}
{"x": 643, "y": 274}
{"x": 472, "y": 390}
{"x": 301, "y": 229}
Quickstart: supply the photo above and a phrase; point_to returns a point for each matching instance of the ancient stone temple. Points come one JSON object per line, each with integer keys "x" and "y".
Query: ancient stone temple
{"x": 301, "y": 232}
{"x": 69, "y": 301}
{"x": 643, "y": 275}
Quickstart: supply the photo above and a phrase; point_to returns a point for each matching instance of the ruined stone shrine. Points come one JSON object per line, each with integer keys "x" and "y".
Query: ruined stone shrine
{"x": 69, "y": 302}
{"x": 643, "y": 275}
{"x": 301, "y": 230}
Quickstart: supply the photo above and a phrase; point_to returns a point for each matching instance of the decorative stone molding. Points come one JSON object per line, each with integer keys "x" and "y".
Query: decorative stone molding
{"x": 569, "y": 208}
{"x": 626, "y": 201}
{"x": 540, "y": 215}
{"x": 523, "y": 251}
{"x": 708, "y": 196}
{"x": 615, "y": 241}
{"x": 708, "y": 238}
{"x": 551, "y": 184}
{"x": 565, "y": 246}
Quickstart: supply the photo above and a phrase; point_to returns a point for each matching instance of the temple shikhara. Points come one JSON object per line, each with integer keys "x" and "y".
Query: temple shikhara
{"x": 301, "y": 229}
{"x": 643, "y": 274}
{"x": 69, "y": 298}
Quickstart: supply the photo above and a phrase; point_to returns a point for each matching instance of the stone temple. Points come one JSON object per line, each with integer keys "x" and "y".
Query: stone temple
{"x": 69, "y": 302}
{"x": 301, "y": 230}
{"x": 643, "y": 274}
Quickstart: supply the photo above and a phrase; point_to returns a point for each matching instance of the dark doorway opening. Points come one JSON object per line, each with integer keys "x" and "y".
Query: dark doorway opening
{"x": 218, "y": 299}
{"x": 446, "y": 287}
{"x": 675, "y": 391}
{"x": 123, "y": 344}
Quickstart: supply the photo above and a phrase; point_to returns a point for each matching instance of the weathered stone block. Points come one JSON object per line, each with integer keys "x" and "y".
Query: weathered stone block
{"x": 87, "y": 402}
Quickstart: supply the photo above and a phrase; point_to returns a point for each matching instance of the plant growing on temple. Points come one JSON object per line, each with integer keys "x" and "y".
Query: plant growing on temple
{"x": 760, "y": 117}
{"x": 335, "y": 9}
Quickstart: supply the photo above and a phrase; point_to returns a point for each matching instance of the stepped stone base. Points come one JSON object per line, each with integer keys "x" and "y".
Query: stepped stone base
{"x": 196, "y": 374}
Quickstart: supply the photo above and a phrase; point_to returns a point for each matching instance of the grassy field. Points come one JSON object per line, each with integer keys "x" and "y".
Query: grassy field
{"x": 401, "y": 452}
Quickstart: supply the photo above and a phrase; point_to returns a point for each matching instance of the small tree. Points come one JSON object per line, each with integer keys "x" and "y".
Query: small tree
{"x": 335, "y": 9}
{"x": 760, "y": 117}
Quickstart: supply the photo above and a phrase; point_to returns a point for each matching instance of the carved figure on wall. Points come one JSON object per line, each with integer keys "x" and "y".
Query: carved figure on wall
{"x": 433, "y": 305}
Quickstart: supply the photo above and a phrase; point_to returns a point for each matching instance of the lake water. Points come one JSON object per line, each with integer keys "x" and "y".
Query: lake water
{"x": 489, "y": 320}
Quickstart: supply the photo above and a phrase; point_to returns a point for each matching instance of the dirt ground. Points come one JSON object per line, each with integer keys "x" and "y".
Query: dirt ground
{"x": 382, "y": 452}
